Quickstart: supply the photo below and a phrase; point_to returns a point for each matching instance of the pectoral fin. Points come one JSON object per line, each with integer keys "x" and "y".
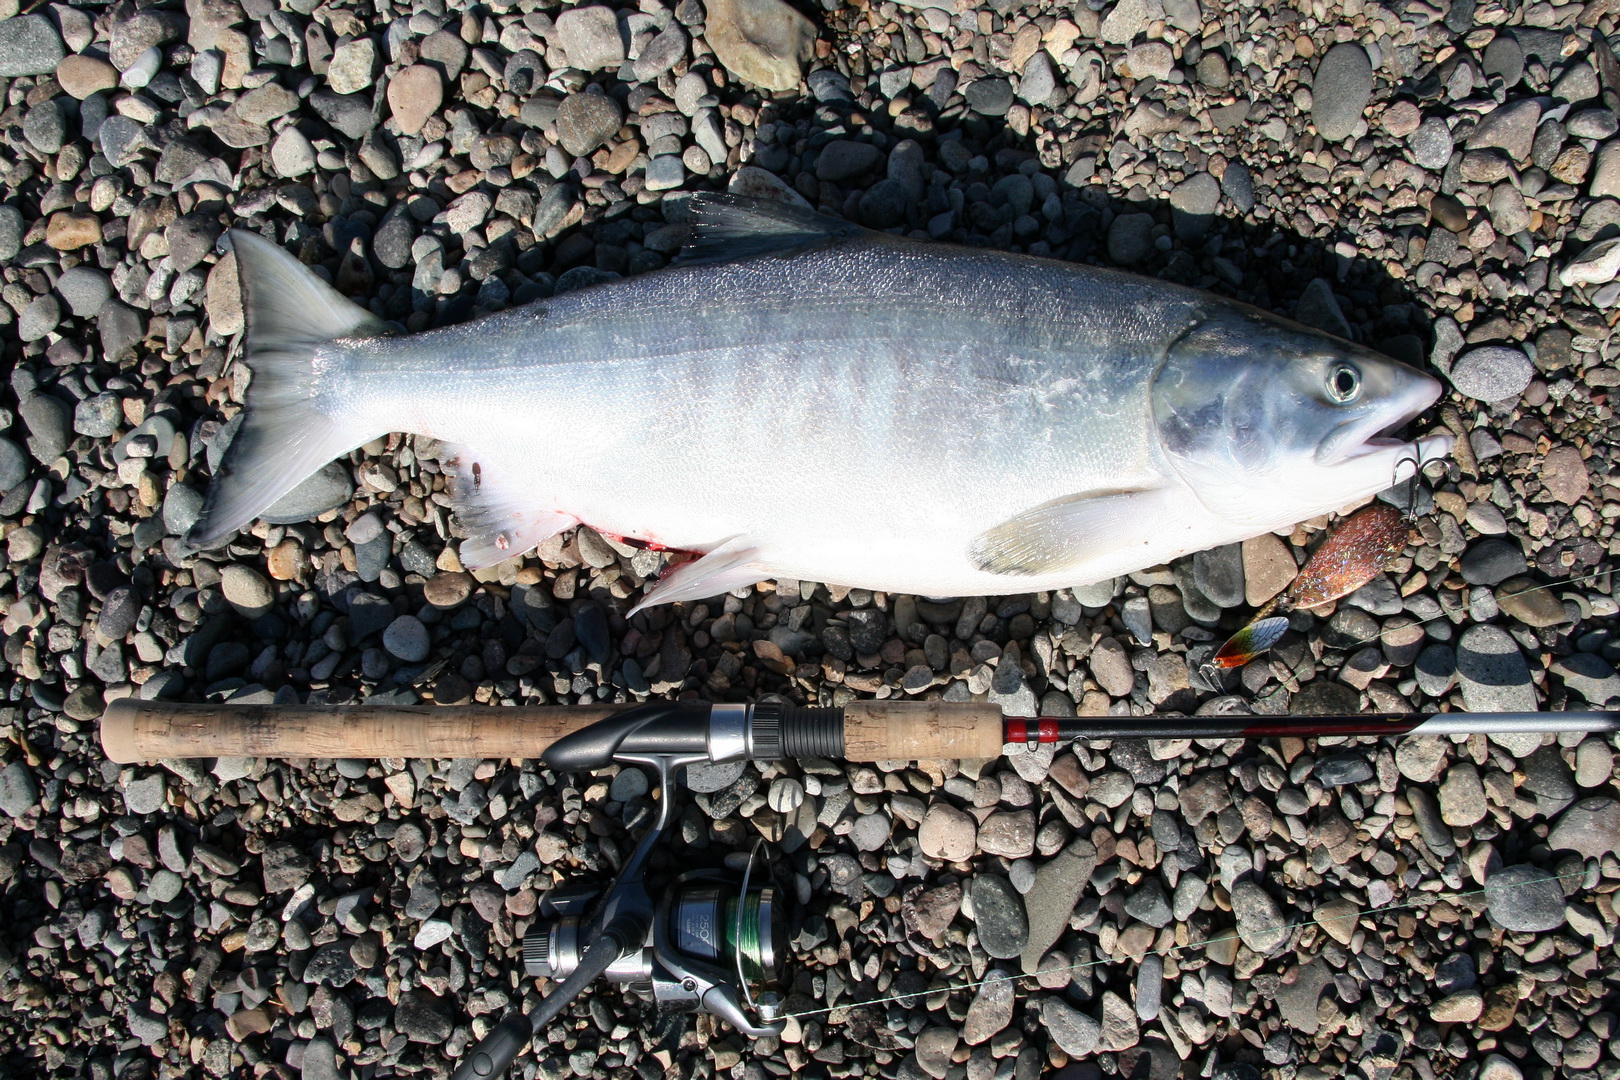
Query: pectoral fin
{"x": 735, "y": 562}
{"x": 1068, "y": 533}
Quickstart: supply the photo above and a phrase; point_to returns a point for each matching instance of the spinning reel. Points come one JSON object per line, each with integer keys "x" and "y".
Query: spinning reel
{"x": 715, "y": 940}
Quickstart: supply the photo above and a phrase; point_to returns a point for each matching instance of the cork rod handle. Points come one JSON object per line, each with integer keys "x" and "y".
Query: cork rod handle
{"x": 921, "y": 730}
{"x": 136, "y": 731}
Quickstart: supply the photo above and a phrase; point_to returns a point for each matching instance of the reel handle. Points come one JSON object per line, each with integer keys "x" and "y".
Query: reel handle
{"x": 495, "y": 1053}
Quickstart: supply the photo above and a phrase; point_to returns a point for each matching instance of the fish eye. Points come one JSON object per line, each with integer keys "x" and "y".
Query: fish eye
{"x": 1344, "y": 383}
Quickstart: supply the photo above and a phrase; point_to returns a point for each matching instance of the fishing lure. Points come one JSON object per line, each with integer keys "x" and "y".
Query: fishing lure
{"x": 1353, "y": 554}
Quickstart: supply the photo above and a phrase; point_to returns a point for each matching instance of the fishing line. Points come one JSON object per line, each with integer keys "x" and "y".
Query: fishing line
{"x": 1172, "y": 949}
{"x": 1522, "y": 592}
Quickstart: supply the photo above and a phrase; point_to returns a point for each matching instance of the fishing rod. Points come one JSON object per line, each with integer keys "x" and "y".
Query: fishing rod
{"x": 705, "y": 941}
{"x": 866, "y": 731}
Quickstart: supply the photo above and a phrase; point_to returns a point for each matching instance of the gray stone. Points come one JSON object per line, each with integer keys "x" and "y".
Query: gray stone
{"x": 247, "y": 590}
{"x": 1590, "y": 676}
{"x": 98, "y": 416}
{"x": 660, "y": 54}
{"x": 1075, "y": 1033}
{"x": 1524, "y": 899}
{"x": 870, "y": 832}
{"x": 144, "y": 794}
{"x": 1590, "y": 827}
{"x": 285, "y": 868}
{"x": 1510, "y": 128}
{"x": 1130, "y": 239}
{"x": 182, "y": 506}
{"x": 586, "y": 121}
{"x": 407, "y": 639}
{"x": 934, "y": 1049}
{"x": 1337, "y": 770}
{"x": 1237, "y": 184}
{"x": 1039, "y": 81}
{"x": 998, "y": 912}
{"x": 1594, "y": 763}
{"x": 13, "y": 465}
{"x": 1218, "y": 573}
{"x": 1260, "y": 922}
{"x": 1504, "y": 57}
{"x": 44, "y": 128}
{"x": 989, "y": 96}
{"x": 991, "y": 1010}
{"x": 1148, "y": 904}
{"x": 1319, "y": 308}
{"x": 1491, "y": 562}
{"x": 590, "y": 36}
{"x": 47, "y": 419}
{"x": 1548, "y": 778}
{"x": 1341, "y": 90}
{"x": 351, "y": 67}
{"x": 11, "y": 232}
{"x": 84, "y": 289}
{"x": 1431, "y": 144}
{"x": 39, "y": 318}
{"x": 29, "y": 45}
{"x": 665, "y": 173}
{"x": 844, "y": 159}
{"x": 1192, "y": 205}
{"x": 1493, "y": 672}
{"x": 1051, "y": 901}
{"x": 18, "y": 789}
{"x": 320, "y": 1060}
{"x": 1492, "y": 373}
{"x": 1128, "y": 18}
{"x": 1149, "y": 987}
{"x": 327, "y": 489}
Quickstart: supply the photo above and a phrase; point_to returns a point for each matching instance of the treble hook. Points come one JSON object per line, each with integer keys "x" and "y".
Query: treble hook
{"x": 1412, "y": 490}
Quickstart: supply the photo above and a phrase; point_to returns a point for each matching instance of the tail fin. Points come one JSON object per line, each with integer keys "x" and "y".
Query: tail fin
{"x": 284, "y": 437}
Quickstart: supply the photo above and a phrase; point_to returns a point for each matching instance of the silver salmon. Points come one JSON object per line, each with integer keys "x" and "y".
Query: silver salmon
{"x": 803, "y": 398}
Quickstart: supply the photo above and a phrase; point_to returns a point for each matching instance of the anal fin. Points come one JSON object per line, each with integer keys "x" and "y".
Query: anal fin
{"x": 1067, "y": 533}
{"x": 735, "y": 562}
{"x": 497, "y": 510}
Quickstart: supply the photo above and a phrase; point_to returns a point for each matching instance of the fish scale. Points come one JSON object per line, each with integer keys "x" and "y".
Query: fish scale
{"x": 809, "y": 400}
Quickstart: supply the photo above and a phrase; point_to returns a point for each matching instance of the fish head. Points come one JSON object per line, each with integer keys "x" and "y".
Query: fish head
{"x": 1270, "y": 422}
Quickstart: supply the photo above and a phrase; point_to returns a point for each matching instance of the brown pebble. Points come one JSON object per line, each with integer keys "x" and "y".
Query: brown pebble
{"x": 287, "y": 561}
{"x": 414, "y": 95}
{"x": 82, "y": 75}
{"x": 67, "y": 231}
{"x": 448, "y": 589}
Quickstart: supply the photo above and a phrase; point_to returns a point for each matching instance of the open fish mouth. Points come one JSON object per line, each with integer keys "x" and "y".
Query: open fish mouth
{"x": 1403, "y": 457}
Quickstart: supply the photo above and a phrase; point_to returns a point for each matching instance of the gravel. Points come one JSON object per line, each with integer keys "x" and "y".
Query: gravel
{"x": 1435, "y": 184}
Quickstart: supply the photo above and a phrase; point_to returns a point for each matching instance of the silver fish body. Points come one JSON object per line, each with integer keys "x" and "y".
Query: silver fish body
{"x": 856, "y": 408}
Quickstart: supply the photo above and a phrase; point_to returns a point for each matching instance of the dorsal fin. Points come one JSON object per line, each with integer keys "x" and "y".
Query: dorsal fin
{"x": 728, "y": 227}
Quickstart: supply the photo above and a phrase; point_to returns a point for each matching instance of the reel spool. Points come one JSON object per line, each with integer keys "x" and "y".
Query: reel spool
{"x": 710, "y": 929}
